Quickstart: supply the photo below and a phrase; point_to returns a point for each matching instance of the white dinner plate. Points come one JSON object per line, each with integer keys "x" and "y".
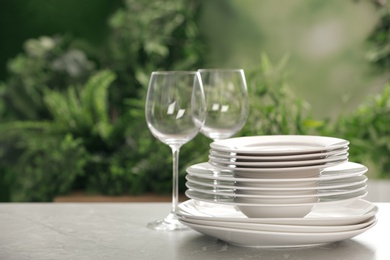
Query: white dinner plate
{"x": 234, "y": 200}
{"x": 345, "y": 170}
{"x": 233, "y": 185}
{"x": 268, "y": 239}
{"x": 235, "y": 194}
{"x": 275, "y": 164}
{"x": 269, "y": 158}
{"x": 280, "y": 228}
{"x": 342, "y": 213}
{"x": 279, "y": 144}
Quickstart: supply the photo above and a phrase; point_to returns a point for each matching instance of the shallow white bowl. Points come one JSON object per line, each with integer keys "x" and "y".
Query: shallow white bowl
{"x": 278, "y": 192}
{"x": 287, "y": 186}
{"x": 276, "y": 200}
{"x": 276, "y": 158}
{"x": 276, "y": 211}
{"x": 312, "y": 171}
{"x": 279, "y": 144}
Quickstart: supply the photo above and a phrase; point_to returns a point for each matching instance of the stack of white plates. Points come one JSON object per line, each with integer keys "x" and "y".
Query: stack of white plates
{"x": 287, "y": 179}
{"x": 326, "y": 223}
{"x": 278, "y": 156}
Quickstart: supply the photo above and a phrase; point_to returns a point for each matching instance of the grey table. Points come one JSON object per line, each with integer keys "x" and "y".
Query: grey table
{"x": 118, "y": 231}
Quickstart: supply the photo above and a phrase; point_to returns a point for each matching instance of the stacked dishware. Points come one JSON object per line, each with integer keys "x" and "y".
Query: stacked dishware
{"x": 278, "y": 191}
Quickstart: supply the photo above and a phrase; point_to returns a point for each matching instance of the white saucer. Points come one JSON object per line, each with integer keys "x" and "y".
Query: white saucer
{"x": 279, "y": 144}
{"x": 268, "y": 239}
{"x": 342, "y": 213}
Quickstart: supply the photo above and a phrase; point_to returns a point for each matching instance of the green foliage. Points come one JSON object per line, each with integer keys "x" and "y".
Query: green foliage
{"x": 48, "y": 156}
{"x": 367, "y": 128}
{"x": 274, "y": 109}
{"x": 368, "y": 131}
{"x": 46, "y": 63}
{"x": 85, "y": 111}
{"x": 47, "y": 99}
{"x": 68, "y": 123}
{"x": 379, "y": 41}
{"x": 147, "y": 36}
{"x": 49, "y": 167}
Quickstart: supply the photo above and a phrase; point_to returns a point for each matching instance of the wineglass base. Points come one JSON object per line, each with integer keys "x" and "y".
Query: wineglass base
{"x": 169, "y": 223}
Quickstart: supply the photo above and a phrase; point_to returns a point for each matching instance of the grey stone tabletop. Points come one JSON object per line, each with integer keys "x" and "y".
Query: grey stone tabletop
{"x": 118, "y": 231}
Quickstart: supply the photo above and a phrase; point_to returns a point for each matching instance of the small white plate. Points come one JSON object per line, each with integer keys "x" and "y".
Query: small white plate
{"x": 279, "y": 144}
{"x": 344, "y": 170}
{"x": 333, "y": 184}
{"x": 280, "y": 228}
{"x": 342, "y": 213}
{"x": 267, "y": 239}
{"x": 269, "y": 158}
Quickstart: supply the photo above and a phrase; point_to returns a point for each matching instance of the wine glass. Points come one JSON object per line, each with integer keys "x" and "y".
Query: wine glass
{"x": 227, "y": 102}
{"x": 175, "y": 112}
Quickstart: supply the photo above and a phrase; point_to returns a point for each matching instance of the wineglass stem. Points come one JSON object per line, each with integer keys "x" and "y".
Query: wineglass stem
{"x": 175, "y": 181}
{"x": 171, "y": 222}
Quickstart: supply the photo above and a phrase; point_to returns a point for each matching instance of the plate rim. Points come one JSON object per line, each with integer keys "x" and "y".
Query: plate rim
{"x": 295, "y": 163}
{"x": 319, "y": 167}
{"x": 308, "y": 219}
{"x": 360, "y": 187}
{"x": 279, "y": 157}
{"x": 289, "y": 227}
{"x": 332, "y": 144}
{"x": 317, "y": 187}
{"x": 359, "y": 194}
{"x": 235, "y": 236}
{"x": 330, "y": 176}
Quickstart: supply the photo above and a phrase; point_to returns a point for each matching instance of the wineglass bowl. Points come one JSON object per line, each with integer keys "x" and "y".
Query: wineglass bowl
{"x": 226, "y": 100}
{"x": 175, "y": 111}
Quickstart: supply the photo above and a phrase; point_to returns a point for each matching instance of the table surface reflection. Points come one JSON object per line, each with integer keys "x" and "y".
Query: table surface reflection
{"x": 118, "y": 231}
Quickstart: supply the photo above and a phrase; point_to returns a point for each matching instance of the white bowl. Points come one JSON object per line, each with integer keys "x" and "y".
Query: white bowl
{"x": 276, "y": 200}
{"x": 278, "y": 192}
{"x": 304, "y": 184}
{"x": 278, "y": 173}
{"x": 275, "y": 210}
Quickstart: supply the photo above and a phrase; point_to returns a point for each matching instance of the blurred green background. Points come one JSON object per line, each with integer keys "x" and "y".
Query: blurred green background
{"x": 326, "y": 40}
{"x": 24, "y": 19}
{"x": 73, "y": 78}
